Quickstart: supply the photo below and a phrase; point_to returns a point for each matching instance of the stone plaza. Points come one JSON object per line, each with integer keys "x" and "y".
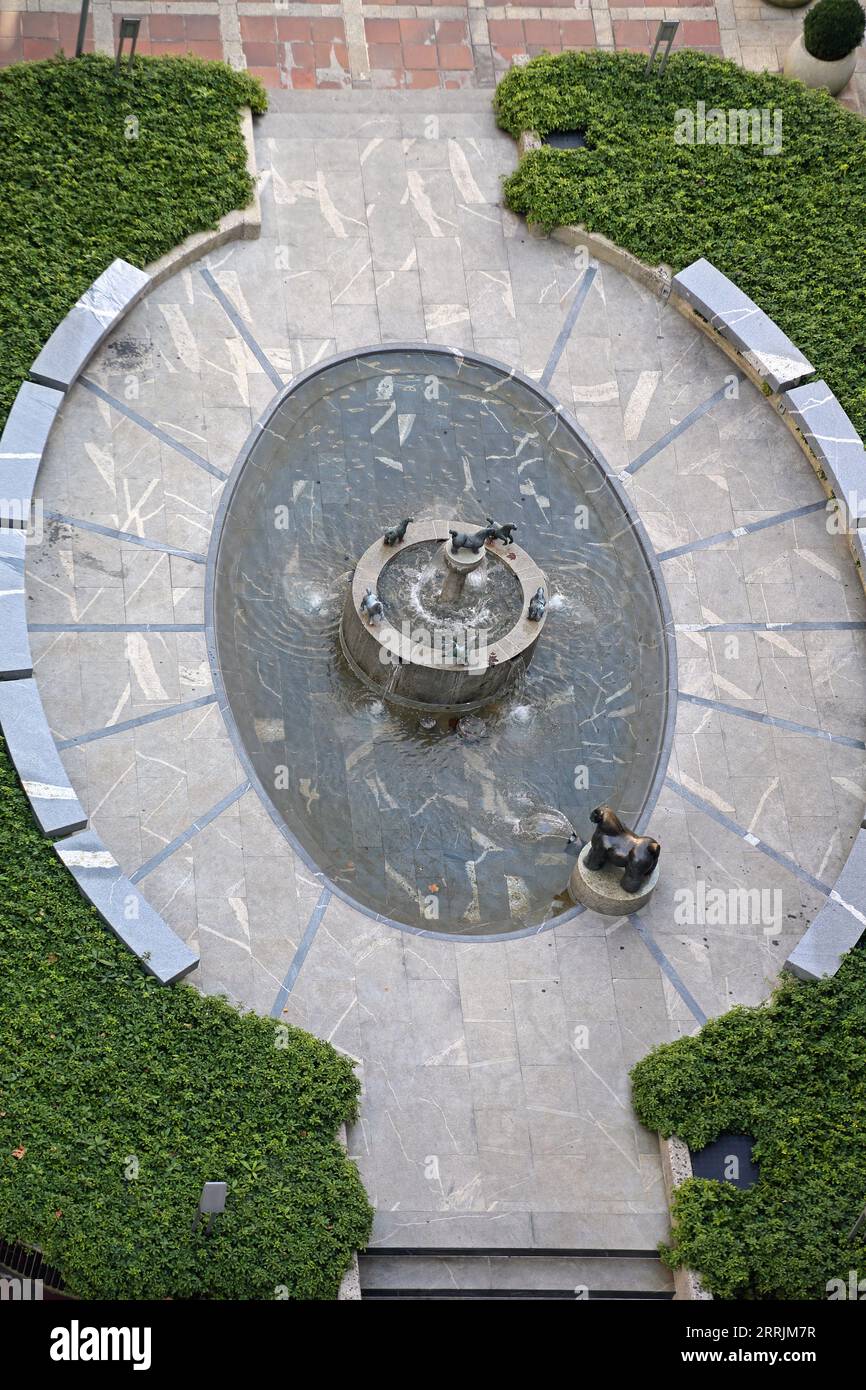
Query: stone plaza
{"x": 495, "y": 1108}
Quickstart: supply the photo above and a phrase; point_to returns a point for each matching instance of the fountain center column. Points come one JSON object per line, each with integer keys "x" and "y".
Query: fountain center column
{"x": 457, "y": 565}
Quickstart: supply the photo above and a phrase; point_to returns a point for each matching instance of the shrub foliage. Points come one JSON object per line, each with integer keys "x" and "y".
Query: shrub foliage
{"x": 792, "y": 1074}
{"x": 83, "y": 183}
{"x": 833, "y": 29}
{"x": 789, "y": 229}
{"x": 119, "y": 1098}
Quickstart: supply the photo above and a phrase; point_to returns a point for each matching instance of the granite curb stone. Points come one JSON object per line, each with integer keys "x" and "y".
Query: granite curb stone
{"x": 88, "y": 324}
{"x": 37, "y": 762}
{"x": 834, "y": 441}
{"x": 122, "y": 908}
{"x": 24, "y": 437}
{"x": 839, "y": 924}
{"x": 677, "y": 1169}
{"x": 738, "y": 319}
{"x": 15, "y": 658}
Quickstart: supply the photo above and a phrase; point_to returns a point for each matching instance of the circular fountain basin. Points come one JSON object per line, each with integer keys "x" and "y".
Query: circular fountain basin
{"x": 436, "y": 821}
{"x": 429, "y": 652}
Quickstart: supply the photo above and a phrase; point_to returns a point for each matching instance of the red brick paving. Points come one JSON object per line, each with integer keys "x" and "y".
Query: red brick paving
{"x": 638, "y": 34}
{"x": 284, "y": 51}
{"x": 164, "y": 35}
{"x": 419, "y": 53}
{"x": 29, "y": 37}
{"x": 290, "y": 51}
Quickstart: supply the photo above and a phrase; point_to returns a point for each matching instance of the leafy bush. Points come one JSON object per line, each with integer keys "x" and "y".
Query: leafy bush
{"x": 833, "y": 29}
{"x": 104, "y": 1073}
{"x": 791, "y": 1073}
{"x": 789, "y": 229}
{"x": 78, "y": 191}
{"x": 119, "y": 1098}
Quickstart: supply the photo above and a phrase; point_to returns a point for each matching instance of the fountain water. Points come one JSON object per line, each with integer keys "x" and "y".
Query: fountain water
{"x": 407, "y": 763}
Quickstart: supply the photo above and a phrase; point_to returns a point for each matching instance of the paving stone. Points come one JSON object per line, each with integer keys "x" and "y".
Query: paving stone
{"x": 739, "y": 320}
{"x": 37, "y": 762}
{"x": 88, "y": 324}
{"x": 522, "y": 1047}
{"x": 123, "y": 909}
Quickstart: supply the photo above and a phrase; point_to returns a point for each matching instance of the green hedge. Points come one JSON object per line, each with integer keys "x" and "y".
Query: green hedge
{"x": 101, "y": 1067}
{"x": 791, "y": 1073}
{"x": 119, "y": 1098}
{"x": 790, "y": 228}
{"x": 77, "y": 191}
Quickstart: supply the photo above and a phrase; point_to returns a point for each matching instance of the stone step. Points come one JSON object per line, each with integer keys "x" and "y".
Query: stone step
{"x": 431, "y": 1275}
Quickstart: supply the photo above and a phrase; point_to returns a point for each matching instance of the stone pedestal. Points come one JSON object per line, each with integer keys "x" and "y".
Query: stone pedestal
{"x": 463, "y": 561}
{"x": 601, "y": 890}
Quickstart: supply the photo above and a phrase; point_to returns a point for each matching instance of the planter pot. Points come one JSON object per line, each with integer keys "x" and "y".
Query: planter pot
{"x": 787, "y": 4}
{"x": 814, "y": 72}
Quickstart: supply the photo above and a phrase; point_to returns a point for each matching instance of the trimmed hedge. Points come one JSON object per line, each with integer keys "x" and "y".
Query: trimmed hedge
{"x": 119, "y": 1098}
{"x": 789, "y": 229}
{"x": 791, "y": 1073}
{"x": 78, "y": 191}
{"x": 104, "y": 1073}
{"x": 833, "y": 29}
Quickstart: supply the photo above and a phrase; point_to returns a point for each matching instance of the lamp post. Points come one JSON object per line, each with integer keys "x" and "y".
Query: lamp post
{"x": 857, "y": 1224}
{"x": 665, "y": 35}
{"x": 128, "y": 30}
{"x": 82, "y": 25}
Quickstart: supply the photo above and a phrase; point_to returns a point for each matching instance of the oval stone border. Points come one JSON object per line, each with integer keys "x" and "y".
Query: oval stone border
{"x": 669, "y": 691}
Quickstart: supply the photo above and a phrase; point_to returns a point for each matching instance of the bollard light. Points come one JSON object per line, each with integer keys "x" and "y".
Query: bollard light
{"x": 665, "y": 35}
{"x": 210, "y": 1204}
{"x": 128, "y": 30}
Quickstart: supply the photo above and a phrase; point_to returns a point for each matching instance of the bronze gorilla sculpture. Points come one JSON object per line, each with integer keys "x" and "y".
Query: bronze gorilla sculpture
{"x": 613, "y": 843}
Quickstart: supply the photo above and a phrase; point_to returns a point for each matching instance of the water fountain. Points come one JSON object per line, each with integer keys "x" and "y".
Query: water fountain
{"x": 454, "y": 632}
{"x": 429, "y": 747}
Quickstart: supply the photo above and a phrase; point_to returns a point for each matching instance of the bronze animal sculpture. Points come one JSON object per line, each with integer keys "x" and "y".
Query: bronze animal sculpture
{"x": 537, "y": 605}
{"x": 395, "y": 534}
{"x": 502, "y": 533}
{"x": 469, "y": 540}
{"x": 613, "y": 843}
{"x": 372, "y": 606}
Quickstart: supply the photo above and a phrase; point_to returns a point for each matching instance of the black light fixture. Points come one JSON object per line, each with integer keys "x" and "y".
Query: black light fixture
{"x": 665, "y": 35}
{"x": 128, "y": 30}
